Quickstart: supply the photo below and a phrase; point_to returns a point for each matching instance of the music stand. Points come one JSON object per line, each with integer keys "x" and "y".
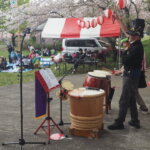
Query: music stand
{"x": 48, "y": 83}
{"x": 22, "y": 140}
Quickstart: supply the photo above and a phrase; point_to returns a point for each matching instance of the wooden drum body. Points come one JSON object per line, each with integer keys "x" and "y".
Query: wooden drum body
{"x": 86, "y": 112}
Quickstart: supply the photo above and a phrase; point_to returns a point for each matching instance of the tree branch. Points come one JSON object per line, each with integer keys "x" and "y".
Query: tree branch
{"x": 136, "y": 9}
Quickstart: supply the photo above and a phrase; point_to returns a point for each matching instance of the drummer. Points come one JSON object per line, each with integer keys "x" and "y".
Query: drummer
{"x": 132, "y": 59}
{"x": 126, "y": 44}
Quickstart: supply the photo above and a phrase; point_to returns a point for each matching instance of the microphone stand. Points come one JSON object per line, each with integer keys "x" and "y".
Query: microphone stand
{"x": 61, "y": 123}
{"x": 22, "y": 141}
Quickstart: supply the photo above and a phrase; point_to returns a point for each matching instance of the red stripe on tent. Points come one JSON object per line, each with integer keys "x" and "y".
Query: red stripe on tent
{"x": 71, "y": 28}
{"x": 110, "y": 29}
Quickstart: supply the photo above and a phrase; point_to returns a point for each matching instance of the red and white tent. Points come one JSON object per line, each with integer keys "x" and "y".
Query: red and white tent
{"x": 69, "y": 28}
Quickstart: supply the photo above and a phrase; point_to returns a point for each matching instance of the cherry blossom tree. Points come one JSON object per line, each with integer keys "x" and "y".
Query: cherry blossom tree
{"x": 37, "y": 12}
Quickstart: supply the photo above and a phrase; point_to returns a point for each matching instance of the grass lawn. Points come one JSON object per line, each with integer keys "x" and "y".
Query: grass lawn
{"x": 3, "y": 51}
{"x": 13, "y": 78}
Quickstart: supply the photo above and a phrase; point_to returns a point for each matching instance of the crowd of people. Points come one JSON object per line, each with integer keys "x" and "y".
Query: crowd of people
{"x": 84, "y": 56}
{"x": 13, "y": 57}
{"x": 78, "y": 58}
{"x": 30, "y": 61}
{"x": 33, "y": 59}
{"x": 43, "y": 51}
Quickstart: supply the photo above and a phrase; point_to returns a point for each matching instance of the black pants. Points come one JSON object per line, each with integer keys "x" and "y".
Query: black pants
{"x": 128, "y": 99}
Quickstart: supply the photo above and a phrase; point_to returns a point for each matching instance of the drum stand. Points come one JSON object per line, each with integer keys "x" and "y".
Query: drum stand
{"x": 61, "y": 123}
{"x": 48, "y": 119}
{"x": 22, "y": 141}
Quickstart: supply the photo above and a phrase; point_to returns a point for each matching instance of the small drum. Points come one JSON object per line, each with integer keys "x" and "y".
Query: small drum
{"x": 66, "y": 87}
{"x": 99, "y": 79}
{"x": 86, "y": 111}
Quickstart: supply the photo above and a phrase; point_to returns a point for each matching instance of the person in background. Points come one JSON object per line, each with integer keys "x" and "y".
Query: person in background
{"x": 13, "y": 56}
{"x": 139, "y": 99}
{"x": 38, "y": 51}
{"x": 74, "y": 55}
{"x": 36, "y": 62}
{"x": 32, "y": 54}
{"x": 43, "y": 50}
{"x": 68, "y": 58}
{"x": 89, "y": 53}
{"x": 30, "y": 47}
{"x": 81, "y": 52}
{"x": 85, "y": 52}
{"x": 10, "y": 49}
{"x": 78, "y": 59}
{"x": 47, "y": 52}
{"x": 3, "y": 63}
{"x": 27, "y": 62}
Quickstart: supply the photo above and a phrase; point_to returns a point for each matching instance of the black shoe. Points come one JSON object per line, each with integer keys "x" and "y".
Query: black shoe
{"x": 116, "y": 126}
{"x": 135, "y": 124}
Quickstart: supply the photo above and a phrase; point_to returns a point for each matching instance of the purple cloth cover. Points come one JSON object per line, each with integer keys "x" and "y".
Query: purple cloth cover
{"x": 40, "y": 100}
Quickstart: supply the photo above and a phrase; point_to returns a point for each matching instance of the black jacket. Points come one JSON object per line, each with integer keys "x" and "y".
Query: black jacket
{"x": 132, "y": 58}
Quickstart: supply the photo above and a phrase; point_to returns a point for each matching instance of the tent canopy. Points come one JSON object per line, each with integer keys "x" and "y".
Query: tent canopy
{"x": 69, "y": 28}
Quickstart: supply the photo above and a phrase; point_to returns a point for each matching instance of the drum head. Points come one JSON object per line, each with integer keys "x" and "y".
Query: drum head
{"x": 103, "y": 72}
{"x": 67, "y": 85}
{"x": 83, "y": 92}
{"x": 97, "y": 74}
